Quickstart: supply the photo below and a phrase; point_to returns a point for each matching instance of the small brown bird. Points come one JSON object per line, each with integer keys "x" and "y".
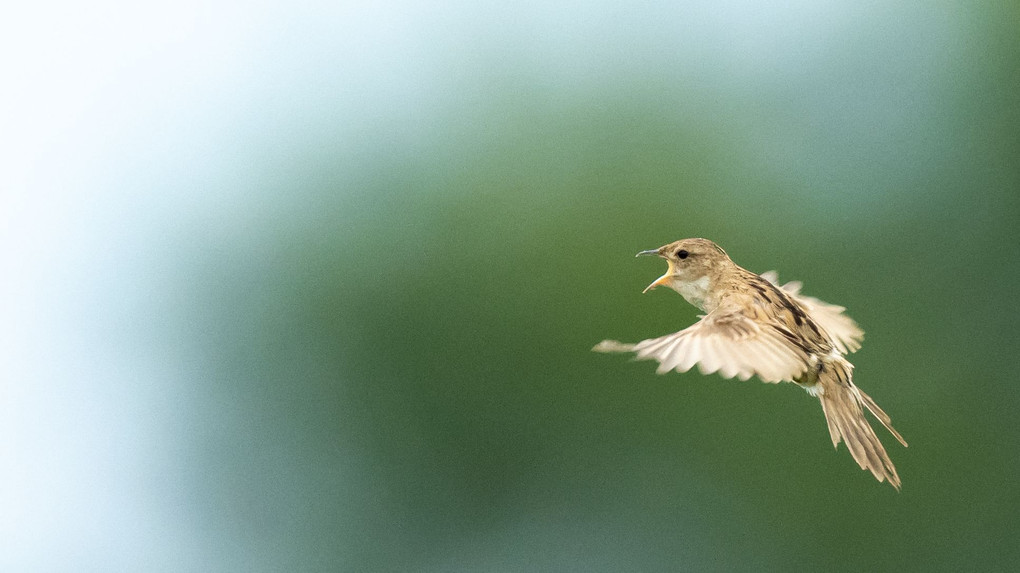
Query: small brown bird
{"x": 752, "y": 326}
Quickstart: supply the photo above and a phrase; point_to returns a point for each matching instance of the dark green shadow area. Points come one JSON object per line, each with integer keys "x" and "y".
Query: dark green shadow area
{"x": 397, "y": 376}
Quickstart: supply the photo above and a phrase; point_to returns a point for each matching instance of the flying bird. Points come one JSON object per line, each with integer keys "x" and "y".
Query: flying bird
{"x": 752, "y": 326}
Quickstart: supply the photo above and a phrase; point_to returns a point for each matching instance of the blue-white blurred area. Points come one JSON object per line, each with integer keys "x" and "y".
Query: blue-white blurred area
{"x": 311, "y": 286}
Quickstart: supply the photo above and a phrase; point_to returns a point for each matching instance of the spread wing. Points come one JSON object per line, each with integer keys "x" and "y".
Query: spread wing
{"x": 725, "y": 341}
{"x": 842, "y": 330}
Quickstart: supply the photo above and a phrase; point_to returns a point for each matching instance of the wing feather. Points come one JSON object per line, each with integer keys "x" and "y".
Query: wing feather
{"x": 724, "y": 341}
{"x": 844, "y": 333}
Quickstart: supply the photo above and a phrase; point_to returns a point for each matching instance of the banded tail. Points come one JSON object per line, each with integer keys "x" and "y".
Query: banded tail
{"x": 843, "y": 404}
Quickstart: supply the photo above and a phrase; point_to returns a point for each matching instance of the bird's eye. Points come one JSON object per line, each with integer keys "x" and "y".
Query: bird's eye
{"x": 682, "y": 254}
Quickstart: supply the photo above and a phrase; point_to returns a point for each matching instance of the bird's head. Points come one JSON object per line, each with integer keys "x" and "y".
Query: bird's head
{"x": 691, "y": 262}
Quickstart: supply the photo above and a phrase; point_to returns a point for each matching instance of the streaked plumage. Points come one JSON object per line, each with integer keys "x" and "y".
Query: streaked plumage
{"x": 754, "y": 327}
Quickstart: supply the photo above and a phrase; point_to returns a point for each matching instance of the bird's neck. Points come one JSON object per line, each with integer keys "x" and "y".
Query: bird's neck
{"x": 697, "y": 292}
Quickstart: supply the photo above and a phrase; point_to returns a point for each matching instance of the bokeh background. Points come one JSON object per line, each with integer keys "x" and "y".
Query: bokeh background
{"x": 312, "y": 287}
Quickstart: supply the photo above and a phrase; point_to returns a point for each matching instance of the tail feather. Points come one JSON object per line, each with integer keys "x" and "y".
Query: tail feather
{"x": 879, "y": 413}
{"x": 843, "y": 405}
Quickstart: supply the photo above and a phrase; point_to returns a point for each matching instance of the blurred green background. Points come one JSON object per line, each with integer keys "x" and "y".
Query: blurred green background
{"x": 313, "y": 287}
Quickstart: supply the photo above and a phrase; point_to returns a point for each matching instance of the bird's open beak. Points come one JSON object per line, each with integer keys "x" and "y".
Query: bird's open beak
{"x": 661, "y": 281}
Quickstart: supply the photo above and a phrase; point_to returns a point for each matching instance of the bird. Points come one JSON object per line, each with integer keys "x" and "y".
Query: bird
{"x": 752, "y": 326}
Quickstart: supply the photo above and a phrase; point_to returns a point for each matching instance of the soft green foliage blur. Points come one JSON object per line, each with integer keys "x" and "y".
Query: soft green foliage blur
{"x": 314, "y": 290}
